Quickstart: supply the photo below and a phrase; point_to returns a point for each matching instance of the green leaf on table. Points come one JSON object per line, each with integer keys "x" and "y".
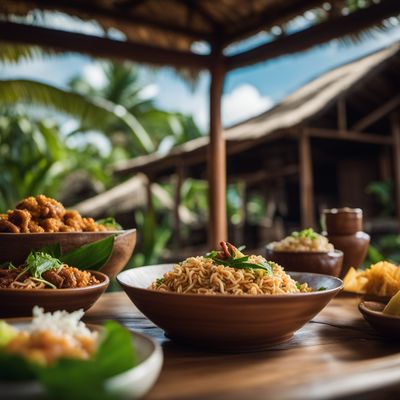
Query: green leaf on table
{"x": 109, "y": 223}
{"x": 15, "y": 368}
{"x": 53, "y": 249}
{"x": 90, "y": 256}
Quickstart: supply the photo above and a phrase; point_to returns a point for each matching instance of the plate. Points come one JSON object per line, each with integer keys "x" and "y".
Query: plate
{"x": 131, "y": 384}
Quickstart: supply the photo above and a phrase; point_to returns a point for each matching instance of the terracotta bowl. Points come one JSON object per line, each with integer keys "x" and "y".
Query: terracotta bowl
{"x": 328, "y": 263}
{"x": 19, "y": 302}
{"x": 388, "y": 325}
{"x": 224, "y": 322}
{"x": 15, "y": 247}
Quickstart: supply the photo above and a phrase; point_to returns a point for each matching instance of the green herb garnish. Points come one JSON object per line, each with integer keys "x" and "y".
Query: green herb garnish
{"x": 305, "y": 233}
{"x": 160, "y": 281}
{"x": 109, "y": 223}
{"x": 231, "y": 256}
{"x": 321, "y": 289}
{"x": 7, "y": 265}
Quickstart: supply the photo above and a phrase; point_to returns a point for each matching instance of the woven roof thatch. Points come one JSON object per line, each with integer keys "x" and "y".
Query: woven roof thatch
{"x": 310, "y": 101}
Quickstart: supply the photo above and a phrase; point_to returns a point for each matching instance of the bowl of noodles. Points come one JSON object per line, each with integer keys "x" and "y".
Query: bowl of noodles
{"x": 306, "y": 251}
{"x": 227, "y": 300}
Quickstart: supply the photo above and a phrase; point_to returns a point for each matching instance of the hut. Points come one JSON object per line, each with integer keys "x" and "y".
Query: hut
{"x": 320, "y": 147}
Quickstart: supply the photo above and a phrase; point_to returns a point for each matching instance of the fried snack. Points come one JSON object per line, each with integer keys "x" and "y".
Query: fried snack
{"x": 381, "y": 279}
{"x": 43, "y": 214}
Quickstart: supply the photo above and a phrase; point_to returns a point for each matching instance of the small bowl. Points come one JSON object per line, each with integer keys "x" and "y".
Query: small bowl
{"x": 19, "y": 302}
{"x": 15, "y": 247}
{"x": 226, "y": 322}
{"x": 131, "y": 384}
{"x": 387, "y": 325}
{"x": 328, "y": 263}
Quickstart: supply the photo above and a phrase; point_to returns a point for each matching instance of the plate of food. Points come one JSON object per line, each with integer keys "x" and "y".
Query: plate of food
{"x": 228, "y": 300}
{"x": 379, "y": 281}
{"x": 58, "y": 356}
{"x": 52, "y": 280}
{"x": 40, "y": 221}
{"x": 306, "y": 251}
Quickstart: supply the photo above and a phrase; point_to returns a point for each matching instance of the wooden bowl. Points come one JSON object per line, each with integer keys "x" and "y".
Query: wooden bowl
{"x": 327, "y": 263}
{"x": 15, "y": 247}
{"x": 387, "y": 325}
{"x": 227, "y": 322}
{"x": 19, "y": 302}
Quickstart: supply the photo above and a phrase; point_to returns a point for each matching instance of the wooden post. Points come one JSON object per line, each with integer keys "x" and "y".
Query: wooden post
{"x": 217, "y": 224}
{"x": 395, "y": 125}
{"x": 177, "y": 202}
{"x": 306, "y": 182}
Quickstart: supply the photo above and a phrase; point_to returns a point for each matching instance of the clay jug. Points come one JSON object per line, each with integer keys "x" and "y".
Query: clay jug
{"x": 344, "y": 230}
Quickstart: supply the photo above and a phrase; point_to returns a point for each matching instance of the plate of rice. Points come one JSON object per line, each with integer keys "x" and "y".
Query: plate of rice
{"x": 55, "y": 355}
{"x": 228, "y": 300}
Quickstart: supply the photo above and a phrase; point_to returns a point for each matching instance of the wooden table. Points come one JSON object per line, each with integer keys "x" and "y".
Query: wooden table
{"x": 335, "y": 355}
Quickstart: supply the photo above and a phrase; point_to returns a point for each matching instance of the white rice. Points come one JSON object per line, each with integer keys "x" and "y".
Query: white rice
{"x": 60, "y": 323}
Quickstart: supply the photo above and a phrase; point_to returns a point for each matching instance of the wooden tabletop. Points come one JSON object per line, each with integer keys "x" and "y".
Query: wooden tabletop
{"x": 335, "y": 355}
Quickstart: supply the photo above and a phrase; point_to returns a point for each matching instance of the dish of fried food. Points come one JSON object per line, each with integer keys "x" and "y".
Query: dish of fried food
{"x": 380, "y": 279}
{"x": 42, "y": 271}
{"x": 43, "y": 214}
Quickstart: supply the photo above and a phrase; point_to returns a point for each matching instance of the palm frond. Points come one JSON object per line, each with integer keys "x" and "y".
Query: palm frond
{"x": 94, "y": 112}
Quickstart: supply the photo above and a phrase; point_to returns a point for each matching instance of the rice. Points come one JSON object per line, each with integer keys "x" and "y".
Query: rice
{"x": 60, "y": 323}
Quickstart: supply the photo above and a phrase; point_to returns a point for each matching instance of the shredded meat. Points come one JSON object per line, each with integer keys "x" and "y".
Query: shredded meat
{"x": 43, "y": 214}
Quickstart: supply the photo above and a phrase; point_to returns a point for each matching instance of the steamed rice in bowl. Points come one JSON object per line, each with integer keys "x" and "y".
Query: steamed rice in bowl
{"x": 304, "y": 241}
{"x": 228, "y": 272}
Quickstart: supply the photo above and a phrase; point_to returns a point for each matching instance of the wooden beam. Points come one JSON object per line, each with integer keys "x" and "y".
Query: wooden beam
{"x": 377, "y": 114}
{"x": 349, "y": 135}
{"x": 395, "y": 126}
{"x": 264, "y": 175}
{"x": 218, "y": 225}
{"x": 342, "y": 115}
{"x": 317, "y": 34}
{"x": 94, "y": 10}
{"x": 99, "y": 46}
{"x": 306, "y": 182}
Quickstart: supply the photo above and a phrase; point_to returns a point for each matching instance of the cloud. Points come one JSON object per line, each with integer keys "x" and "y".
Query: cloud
{"x": 243, "y": 102}
{"x": 94, "y": 74}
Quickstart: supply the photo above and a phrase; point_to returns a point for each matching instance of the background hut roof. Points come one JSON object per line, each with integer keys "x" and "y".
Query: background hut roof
{"x": 308, "y": 102}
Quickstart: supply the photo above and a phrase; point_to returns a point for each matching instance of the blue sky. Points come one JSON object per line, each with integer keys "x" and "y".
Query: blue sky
{"x": 247, "y": 91}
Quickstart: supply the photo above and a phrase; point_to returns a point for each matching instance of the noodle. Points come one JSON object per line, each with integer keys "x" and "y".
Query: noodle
{"x": 201, "y": 275}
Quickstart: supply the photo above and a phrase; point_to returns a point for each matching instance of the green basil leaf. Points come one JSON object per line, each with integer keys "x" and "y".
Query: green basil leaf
{"x": 15, "y": 368}
{"x": 90, "y": 256}
{"x": 38, "y": 263}
{"x": 110, "y": 223}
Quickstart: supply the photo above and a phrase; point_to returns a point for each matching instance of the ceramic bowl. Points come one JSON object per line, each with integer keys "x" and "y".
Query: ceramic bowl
{"x": 19, "y": 302}
{"x": 388, "y": 325}
{"x": 328, "y": 263}
{"x": 15, "y": 247}
{"x": 226, "y": 322}
{"x": 131, "y": 384}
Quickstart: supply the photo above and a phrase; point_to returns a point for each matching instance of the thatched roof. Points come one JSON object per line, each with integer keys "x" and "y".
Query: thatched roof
{"x": 176, "y": 24}
{"x": 169, "y": 28}
{"x": 310, "y": 101}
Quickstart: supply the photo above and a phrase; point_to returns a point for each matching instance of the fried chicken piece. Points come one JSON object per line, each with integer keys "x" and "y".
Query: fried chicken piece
{"x": 74, "y": 220}
{"x": 20, "y": 218}
{"x": 4, "y": 216}
{"x": 89, "y": 225}
{"x": 53, "y": 277}
{"x": 51, "y": 224}
{"x": 34, "y": 227}
{"x": 42, "y": 207}
{"x": 8, "y": 227}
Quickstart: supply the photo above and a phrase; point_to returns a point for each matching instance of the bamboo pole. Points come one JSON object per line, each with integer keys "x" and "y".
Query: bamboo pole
{"x": 177, "y": 202}
{"x": 218, "y": 229}
{"x": 306, "y": 182}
